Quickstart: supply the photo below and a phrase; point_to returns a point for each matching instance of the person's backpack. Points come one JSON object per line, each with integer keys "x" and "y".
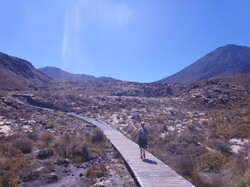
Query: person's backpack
{"x": 144, "y": 133}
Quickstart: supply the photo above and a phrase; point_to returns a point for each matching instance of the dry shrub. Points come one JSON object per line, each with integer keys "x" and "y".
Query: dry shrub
{"x": 46, "y": 137}
{"x": 240, "y": 164}
{"x": 222, "y": 132}
{"x": 97, "y": 171}
{"x": 246, "y": 178}
{"x": 128, "y": 129}
{"x": 33, "y": 135}
{"x": 7, "y": 149}
{"x": 98, "y": 136}
{"x": 208, "y": 180}
{"x": 45, "y": 153}
{"x": 244, "y": 130}
{"x": 74, "y": 147}
{"x": 221, "y": 146}
{"x": 29, "y": 174}
{"x": 9, "y": 169}
{"x": 154, "y": 134}
{"x": 211, "y": 161}
{"x": 124, "y": 118}
{"x": 62, "y": 143}
{"x": 117, "y": 154}
{"x": 185, "y": 165}
{"x": 158, "y": 152}
{"x": 131, "y": 132}
{"x": 78, "y": 152}
{"x": 24, "y": 144}
{"x": 9, "y": 179}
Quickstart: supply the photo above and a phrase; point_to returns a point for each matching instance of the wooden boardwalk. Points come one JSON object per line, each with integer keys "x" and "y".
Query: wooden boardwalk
{"x": 150, "y": 172}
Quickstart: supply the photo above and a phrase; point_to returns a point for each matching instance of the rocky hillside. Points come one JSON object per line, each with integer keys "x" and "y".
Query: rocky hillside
{"x": 40, "y": 148}
{"x": 18, "y": 74}
{"x": 224, "y": 61}
{"x": 58, "y": 74}
{"x": 201, "y": 129}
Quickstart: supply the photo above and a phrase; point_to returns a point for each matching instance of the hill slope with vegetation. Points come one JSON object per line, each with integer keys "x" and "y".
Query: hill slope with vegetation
{"x": 200, "y": 129}
{"x": 19, "y": 74}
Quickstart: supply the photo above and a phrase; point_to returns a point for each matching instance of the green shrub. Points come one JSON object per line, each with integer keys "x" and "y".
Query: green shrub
{"x": 211, "y": 161}
{"x": 9, "y": 169}
{"x": 212, "y": 81}
{"x": 9, "y": 179}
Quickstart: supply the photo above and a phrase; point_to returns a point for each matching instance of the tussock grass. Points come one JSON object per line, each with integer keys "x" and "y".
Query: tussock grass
{"x": 97, "y": 171}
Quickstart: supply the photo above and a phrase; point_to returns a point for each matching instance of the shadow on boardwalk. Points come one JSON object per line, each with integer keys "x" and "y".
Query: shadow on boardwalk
{"x": 149, "y": 161}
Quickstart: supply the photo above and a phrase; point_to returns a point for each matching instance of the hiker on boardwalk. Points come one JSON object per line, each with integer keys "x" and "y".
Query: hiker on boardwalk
{"x": 142, "y": 140}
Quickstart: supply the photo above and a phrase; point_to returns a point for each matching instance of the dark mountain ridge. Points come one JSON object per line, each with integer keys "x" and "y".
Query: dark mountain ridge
{"x": 223, "y": 61}
{"x": 19, "y": 74}
{"x": 58, "y": 74}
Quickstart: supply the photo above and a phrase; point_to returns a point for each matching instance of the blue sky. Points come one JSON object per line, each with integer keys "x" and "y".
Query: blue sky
{"x": 133, "y": 40}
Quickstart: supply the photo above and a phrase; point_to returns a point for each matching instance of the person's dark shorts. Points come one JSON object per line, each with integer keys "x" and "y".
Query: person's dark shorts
{"x": 142, "y": 143}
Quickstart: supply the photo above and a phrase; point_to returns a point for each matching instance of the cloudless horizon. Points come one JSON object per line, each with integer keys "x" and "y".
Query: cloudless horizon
{"x": 141, "y": 41}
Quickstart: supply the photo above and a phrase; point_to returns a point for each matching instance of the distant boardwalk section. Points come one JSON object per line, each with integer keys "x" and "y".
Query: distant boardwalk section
{"x": 150, "y": 172}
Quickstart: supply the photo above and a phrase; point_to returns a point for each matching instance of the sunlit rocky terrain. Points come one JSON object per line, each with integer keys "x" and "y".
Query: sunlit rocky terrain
{"x": 50, "y": 148}
{"x": 201, "y": 129}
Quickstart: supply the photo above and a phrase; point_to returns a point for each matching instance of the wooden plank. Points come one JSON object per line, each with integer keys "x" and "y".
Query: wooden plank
{"x": 150, "y": 172}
